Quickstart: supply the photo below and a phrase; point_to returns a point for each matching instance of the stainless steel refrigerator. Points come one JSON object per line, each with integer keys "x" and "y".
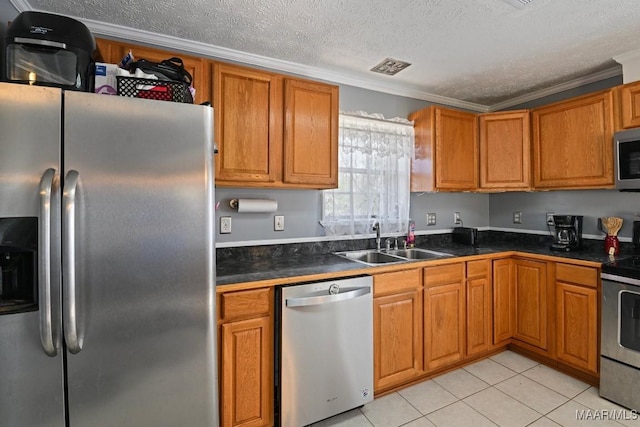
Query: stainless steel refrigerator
{"x": 118, "y": 193}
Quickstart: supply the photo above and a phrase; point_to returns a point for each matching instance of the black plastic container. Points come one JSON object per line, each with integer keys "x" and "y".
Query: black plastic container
{"x": 48, "y": 50}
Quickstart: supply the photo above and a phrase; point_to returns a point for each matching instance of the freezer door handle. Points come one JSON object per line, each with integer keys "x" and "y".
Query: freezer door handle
{"x": 44, "y": 264}
{"x": 74, "y": 344}
{"x": 324, "y": 299}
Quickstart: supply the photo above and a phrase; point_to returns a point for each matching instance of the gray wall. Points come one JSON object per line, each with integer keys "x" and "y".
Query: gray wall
{"x": 582, "y": 90}
{"x": 473, "y": 207}
{"x": 593, "y": 204}
{"x": 7, "y": 13}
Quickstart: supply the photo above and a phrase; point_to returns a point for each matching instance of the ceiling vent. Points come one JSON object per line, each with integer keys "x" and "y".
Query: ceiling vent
{"x": 390, "y": 66}
{"x": 518, "y": 4}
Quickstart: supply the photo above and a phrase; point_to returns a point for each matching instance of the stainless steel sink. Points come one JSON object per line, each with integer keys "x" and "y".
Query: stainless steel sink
{"x": 416, "y": 253}
{"x": 371, "y": 257}
{"x": 374, "y": 257}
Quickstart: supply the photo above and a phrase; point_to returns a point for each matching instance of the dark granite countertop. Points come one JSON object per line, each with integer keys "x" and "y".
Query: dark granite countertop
{"x": 232, "y": 271}
{"x": 242, "y": 265}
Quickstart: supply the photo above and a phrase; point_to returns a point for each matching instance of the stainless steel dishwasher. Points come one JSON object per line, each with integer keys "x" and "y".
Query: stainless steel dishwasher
{"x": 326, "y": 351}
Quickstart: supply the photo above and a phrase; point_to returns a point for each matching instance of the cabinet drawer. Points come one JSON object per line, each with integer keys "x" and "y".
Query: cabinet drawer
{"x": 580, "y": 275}
{"x": 392, "y": 283}
{"x": 253, "y": 303}
{"x": 443, "y": 274}
{"x": 478, "y": 268}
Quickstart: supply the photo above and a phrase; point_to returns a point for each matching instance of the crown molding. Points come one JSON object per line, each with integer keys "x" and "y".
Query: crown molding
{"x": 627, "y": 57}
{"x": 217, "y": 52}
{"x": 572, "y": 84}
{"x": 164, "y": 41}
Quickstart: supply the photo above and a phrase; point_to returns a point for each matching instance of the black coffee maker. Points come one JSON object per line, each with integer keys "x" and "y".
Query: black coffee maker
{"x": 568, "y": 234}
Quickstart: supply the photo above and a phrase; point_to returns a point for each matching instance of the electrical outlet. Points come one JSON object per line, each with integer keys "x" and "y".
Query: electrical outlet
{"x": 278, "y": 222}
{"x": 431, "y": 218}
{"x": 517, "y": 217}
{"x": 225, "y": 225}
{"x": 550, "y": 221}
{"x": 456, "y": 218}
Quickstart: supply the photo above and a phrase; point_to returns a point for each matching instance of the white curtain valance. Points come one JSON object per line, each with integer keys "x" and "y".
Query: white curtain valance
{"x": 374, "y": 173}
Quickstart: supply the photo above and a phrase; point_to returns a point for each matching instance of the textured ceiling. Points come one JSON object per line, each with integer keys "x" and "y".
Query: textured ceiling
{"x": 480, "y": 51}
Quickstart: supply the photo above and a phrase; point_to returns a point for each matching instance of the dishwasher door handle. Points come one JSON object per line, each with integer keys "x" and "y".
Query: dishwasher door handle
{"x": 325, "y": 299}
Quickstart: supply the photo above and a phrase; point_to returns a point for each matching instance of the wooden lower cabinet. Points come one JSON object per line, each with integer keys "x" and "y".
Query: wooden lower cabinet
{"x": 478, "y": 298}
{"x": 577, "y": 317}
{"x": 444, "y": 315}
{"x": 503, "y": 301}
{"x": 397, "y": 326}
{"x": 246, "y": 358}
{"x": 530, "y": 299}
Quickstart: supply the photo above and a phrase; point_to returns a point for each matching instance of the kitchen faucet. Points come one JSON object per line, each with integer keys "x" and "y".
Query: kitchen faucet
{"x": 376, "y": 228}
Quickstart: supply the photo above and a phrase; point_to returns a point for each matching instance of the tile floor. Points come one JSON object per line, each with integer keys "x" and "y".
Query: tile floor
{"x": 506, "y": 390}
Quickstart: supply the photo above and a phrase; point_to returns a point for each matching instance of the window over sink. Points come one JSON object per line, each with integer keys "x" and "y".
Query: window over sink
{"x": 374, "y": 171}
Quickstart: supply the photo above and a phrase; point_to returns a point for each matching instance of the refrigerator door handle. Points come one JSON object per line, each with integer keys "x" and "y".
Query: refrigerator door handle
{"x": 44, "y": 264}
{"x": 74, "y": 344}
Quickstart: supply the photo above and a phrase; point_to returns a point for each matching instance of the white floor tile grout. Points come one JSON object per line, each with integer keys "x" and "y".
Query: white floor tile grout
{"x": 543, "y": 417}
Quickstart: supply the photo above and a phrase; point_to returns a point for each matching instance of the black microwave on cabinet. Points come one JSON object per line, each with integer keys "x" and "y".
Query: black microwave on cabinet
{"x": 626, "y": 147}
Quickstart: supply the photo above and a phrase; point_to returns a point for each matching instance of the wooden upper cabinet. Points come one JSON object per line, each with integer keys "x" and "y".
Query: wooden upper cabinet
{"x": 572, "y": 143}
{"x": 273, "y": 131}
{"x": 629, "y": 105}
{"x": 199, "y": 68}
{"x": 446, "y": 150}
{"x": 248, "y": 124}
{"x": 505, "y": 151}
{"x": 310, "y": 133}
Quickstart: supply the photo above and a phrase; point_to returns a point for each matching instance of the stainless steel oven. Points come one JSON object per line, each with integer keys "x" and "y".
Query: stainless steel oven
{"x": 620, "y": 342}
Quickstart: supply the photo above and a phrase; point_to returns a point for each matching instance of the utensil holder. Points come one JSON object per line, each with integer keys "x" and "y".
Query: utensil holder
{"x": 611, "y": 243}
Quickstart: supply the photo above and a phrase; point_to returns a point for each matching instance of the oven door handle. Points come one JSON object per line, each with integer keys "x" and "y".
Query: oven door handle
{"x": 325, "y": 299}
{"x": 619, "y": 279}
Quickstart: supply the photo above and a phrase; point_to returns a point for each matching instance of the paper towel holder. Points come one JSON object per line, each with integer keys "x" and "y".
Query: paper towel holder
{"x": 269, "y": 205}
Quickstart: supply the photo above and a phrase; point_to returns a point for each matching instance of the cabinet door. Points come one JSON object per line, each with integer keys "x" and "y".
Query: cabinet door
{"x": 505, "y": 151}
{"x": 108, "y": 51}
{"x": 572, "y": 145}
{"x": 478, "y": 294}
{"x": 199, "y": 68}
{"x": 246, "y": 373}
{"x": 503, "y": 301}
{"x": 456, "y": 157}
{"x": 630, "y": 105}
{"x": 530, "y": 289}
{"x": 444, "y": 315}
{"x": 397, "y": 338}
{"x": 310, "y": 134}
{"x": 577, "y": 326}
{"x": 248, "y": 125}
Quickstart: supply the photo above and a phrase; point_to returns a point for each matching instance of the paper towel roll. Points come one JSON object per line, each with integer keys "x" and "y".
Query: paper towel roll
{"x": 255, "y": 205}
